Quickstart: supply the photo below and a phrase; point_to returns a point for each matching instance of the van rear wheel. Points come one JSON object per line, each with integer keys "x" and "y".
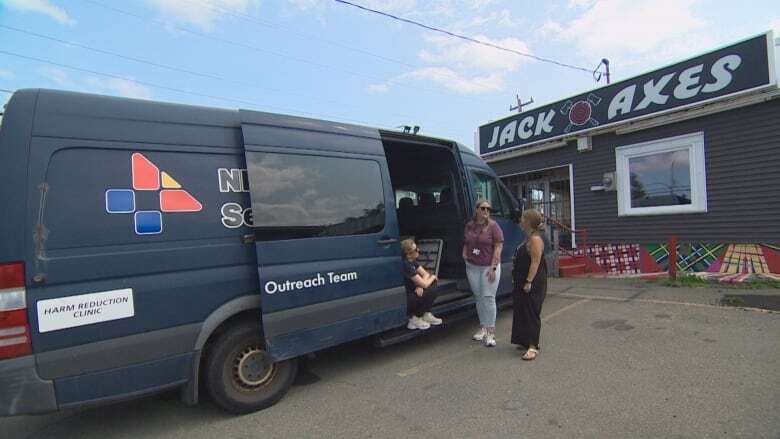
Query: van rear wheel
{"x": 240, "y": 376}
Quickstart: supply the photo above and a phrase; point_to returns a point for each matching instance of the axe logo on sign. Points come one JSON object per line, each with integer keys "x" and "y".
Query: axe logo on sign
{"x": 146, "y": 176}
{"x": 581, "y": 112}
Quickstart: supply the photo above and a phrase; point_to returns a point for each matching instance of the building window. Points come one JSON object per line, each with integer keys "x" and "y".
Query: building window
{"x": 664, "y": 176}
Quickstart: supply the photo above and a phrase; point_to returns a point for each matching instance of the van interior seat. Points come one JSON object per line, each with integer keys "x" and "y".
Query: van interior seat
{"x": 405, "y": 204}
{"x": 406, "y": 215}
{"x": 445, "y": 197}
{"x": 426, "y": 172}
{"x": 427, "y": 201}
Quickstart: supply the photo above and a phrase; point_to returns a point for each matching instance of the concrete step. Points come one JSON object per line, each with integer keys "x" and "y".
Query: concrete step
{"x": 566, "y": 260}
{"x": 571, "y": 270}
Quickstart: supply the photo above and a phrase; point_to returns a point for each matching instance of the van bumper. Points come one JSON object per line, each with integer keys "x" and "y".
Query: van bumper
{"x": 22, "y": 391}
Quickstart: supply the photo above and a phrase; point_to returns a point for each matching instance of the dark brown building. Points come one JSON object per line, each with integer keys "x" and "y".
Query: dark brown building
{"x": 690, "y": 151}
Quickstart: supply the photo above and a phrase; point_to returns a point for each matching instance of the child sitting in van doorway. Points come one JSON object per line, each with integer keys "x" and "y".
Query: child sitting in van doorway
{"x": 417, "y": 280}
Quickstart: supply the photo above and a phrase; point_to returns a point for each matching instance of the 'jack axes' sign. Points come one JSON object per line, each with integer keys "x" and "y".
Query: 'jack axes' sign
{"x": 739, "y": 68}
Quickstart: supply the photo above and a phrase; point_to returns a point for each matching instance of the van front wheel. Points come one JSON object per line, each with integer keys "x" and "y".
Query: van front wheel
{"x": 239, "y": 375}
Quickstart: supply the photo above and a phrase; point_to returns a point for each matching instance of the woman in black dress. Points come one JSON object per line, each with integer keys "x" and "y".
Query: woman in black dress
{"x": 529, "y": 273}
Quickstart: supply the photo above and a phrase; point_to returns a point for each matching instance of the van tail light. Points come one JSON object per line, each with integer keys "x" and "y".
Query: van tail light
{"x": 14, "y": 328}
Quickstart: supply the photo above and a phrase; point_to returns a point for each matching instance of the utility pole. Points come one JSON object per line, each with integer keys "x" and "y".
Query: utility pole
{"x": 520, "y": 104}
{"x": 597, "y": 73}
{"x": 414, "y": 129}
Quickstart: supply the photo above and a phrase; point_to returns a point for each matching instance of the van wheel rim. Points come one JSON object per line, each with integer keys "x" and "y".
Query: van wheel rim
{"x": 252, "y": 368}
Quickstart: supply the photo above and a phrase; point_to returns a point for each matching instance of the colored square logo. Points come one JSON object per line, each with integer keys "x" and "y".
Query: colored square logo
{"x": 146, "y": 176}
{"x": 148, "y": 222}
{"x": 120, "y": 201}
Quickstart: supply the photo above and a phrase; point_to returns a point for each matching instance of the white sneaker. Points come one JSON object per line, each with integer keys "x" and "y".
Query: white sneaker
{"x": 490, "y": 340}
{"x": 417, "y": 323}
{"x": 432, "y": 319}
{"x": 480, "y": 335}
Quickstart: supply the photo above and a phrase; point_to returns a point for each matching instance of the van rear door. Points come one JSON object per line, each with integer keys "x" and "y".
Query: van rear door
{"x": 325, "y": 232}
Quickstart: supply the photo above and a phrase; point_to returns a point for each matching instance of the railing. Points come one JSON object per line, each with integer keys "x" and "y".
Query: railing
{"x": 575, "y": 233}
{"x": 582, "y": 244}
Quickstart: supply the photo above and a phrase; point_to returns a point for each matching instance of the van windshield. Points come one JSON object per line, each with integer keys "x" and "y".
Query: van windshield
{"x": 488, "y": 187}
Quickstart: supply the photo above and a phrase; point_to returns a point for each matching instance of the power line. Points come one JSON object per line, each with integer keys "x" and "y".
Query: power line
{"x": 178, "y": 90}
{"x": 463, "y": 37}
{"x": 319, "y": 39}
{"x": 258, "y": 49}
{"x": 224, "y": 40}
{"x": 174, "y": 68}
{"x": 107, "y": 52}
{"x": 6, "y": 91}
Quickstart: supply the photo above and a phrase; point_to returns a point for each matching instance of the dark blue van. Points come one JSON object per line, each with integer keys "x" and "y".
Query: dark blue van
{"x": 147, "y": 246}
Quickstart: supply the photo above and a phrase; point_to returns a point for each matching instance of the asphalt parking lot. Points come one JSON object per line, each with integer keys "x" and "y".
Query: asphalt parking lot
{"x": 618, "y": 359}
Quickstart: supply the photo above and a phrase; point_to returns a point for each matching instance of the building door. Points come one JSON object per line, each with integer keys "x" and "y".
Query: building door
{"x": 548, "y": 191}
{"x": 535, "y": 193}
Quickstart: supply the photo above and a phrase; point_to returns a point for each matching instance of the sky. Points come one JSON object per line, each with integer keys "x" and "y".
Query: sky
{"x": 327, "y": 60}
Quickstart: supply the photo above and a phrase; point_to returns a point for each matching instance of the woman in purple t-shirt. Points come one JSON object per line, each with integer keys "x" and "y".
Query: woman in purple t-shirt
{"x": 482, "y": 244}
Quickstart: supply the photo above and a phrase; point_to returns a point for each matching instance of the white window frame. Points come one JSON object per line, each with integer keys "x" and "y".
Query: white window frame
{"x": 693, "y": 143}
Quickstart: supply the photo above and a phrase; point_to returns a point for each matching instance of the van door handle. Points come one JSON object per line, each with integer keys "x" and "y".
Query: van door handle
{"x": 386, "y": 241}
{"x": 248, "y": 239}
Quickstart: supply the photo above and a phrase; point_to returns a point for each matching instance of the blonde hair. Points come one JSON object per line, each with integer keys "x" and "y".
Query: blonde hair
{"x": 534, "y": 219}
{"x": 473, "y": 221}
{"x": 407, "y": 245}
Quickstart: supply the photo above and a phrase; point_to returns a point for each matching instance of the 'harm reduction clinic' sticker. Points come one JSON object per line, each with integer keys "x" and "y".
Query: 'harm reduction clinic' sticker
{"x": 84, "y": 309}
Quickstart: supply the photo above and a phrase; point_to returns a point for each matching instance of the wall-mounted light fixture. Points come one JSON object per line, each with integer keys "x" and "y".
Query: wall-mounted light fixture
{"x": 607, "y": 183}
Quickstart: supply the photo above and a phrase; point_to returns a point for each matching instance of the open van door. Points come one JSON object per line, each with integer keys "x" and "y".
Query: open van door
{"x": 325, "y": 230}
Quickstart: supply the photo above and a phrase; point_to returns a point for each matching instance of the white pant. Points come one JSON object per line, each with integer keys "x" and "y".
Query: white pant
{"x": 484, "y": 292}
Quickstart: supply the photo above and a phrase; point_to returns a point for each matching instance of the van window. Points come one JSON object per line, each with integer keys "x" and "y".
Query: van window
{"x": 487, "y": 187}
{"x": 304, "y": 196}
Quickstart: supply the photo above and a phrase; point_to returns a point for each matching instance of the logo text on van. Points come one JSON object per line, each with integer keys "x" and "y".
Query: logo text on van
{"x": 287, "y": 286}
{"x": 234, "y": 215}
{"x": 233, "y": 180}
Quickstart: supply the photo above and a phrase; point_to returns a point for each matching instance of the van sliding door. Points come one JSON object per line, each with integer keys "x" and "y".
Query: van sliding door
{"x": 325, "y": 233}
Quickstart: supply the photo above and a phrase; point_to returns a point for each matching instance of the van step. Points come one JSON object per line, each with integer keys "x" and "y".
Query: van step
{"x": 451, "y": 312}
{"x": 403, "y": 334}
{"x": 446, "y": 297}
{"x": 444, "y": 286}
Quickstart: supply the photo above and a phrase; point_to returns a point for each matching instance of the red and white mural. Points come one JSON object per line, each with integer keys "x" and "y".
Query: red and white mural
{"x": 723, "y": 262}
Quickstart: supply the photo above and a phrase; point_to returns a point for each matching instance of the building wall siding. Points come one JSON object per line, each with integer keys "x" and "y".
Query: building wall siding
{"x": 742, "y": 155}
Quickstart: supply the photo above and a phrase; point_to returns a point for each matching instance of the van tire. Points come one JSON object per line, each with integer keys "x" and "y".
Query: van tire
{"x": 237, "y": 374}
